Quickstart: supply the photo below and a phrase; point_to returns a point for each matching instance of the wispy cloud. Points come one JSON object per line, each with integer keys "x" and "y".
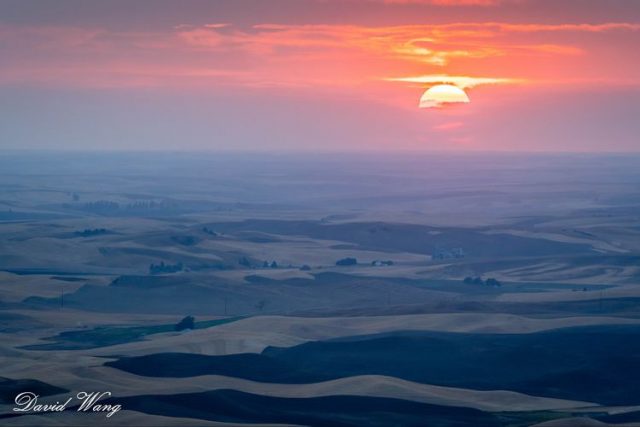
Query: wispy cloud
{"x": 430, "y": 44}
{"x": 463, "y": 82}
{"x": 344, "y": 56}
{"x": 446, "y": 2}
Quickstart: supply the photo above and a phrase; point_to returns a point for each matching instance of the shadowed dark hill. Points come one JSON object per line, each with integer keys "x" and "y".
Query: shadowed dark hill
{"x": 410, "y": 237}
{"x": 327, "y": 294}
{"x": 562, "y": 363}
{"x": 334, "y": 411}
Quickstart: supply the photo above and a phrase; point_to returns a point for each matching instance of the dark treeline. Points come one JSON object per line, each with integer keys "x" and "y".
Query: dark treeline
{"x": 165, "y": 268}
{"x": 87, "y": 232}
{"x": 479, "y": 281}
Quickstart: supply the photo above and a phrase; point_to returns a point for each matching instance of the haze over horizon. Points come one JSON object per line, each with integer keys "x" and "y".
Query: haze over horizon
{"x": 319, "y": 75}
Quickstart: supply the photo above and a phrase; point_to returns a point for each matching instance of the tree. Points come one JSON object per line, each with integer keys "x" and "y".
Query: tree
{"x": 274, "y": 264}
{"x": 347, "y": 261}
{"x": 187, "y": 323}
{"x": 209, "y": 231}
{"x": 165, "y": 268}
{"x": 88, "y": 232}
{"x": 468, "y": 280}
{"x": 493, "y": 282}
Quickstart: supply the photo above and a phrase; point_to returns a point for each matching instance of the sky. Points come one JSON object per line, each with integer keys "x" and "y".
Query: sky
{"x": 319, "y": 75}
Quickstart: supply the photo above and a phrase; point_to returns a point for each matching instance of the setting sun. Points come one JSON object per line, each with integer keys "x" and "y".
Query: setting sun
{"x": 442, "y": 94}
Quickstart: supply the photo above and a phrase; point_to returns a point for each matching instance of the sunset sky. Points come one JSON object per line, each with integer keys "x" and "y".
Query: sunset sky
{"x": 542, "y": 75}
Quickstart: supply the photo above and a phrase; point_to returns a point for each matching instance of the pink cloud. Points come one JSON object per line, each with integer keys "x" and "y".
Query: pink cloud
{"x": 448, "y": 2}
{"x": 349, "y": 57}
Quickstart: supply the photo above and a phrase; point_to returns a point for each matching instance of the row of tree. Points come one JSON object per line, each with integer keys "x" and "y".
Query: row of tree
{"x": 479, "y": 281}
{"x": 108, "y": 205}
{"x": 88, "y": 232}
{"x": 165, "y": 268}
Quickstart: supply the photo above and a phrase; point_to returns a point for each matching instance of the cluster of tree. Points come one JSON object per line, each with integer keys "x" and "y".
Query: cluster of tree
{"x": 381, "y": 263}
{"x": 347, "y": 261}
{"x": 244, "y": 261}
{"x": 209, "y": 231}
{"x": 478, "y": 281}
{"x": 101, "y": 206}
{"x": 151, "y": 204}
{"x": 165, "y": 268}
{"x": 87, "y": 232}
{"x": 187, "y": 323}
{"x": 109, "y": 206}
{"x": 266, "y": 264}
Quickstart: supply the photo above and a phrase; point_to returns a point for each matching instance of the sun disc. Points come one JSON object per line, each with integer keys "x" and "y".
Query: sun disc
{"x": 439, "y": 95}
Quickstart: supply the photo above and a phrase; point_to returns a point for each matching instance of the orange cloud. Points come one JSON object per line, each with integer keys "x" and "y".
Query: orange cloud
{"x": 591, "y": 28}
{"x": 341, "y": 56}
{"x": 430, "y": 44}
{"x": 463, "y": 82}
{"x": 203, "y": 37}
{"x": 448, "y": 2}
